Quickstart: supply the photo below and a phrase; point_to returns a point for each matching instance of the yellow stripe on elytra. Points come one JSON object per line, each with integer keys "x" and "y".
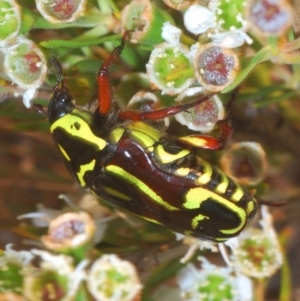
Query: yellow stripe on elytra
{"x": 207, "y": 173}
{"x": 165, "y": 157}
{"x": 196, "y": 219}
{"x": 194, "y": 141}
{"x": 77, "y": 127}
{"x": 145, "y": 128}
{"x": 221, "y": 188}
{"x": 83, "y": 169}
{"x": 118, "y": 171}
{"x": 196, "y": 196}
{"x": 143, "y": 139}
{"x": 64, "y": 152}
{"x": 116, "y": 135}
{"x": 182, "y": 171}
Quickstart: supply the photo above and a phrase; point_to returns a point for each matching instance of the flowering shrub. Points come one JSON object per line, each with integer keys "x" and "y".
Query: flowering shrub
{"x": 175, "y": 52}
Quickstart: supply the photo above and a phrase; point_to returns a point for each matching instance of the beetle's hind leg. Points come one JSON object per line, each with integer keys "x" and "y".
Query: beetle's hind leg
{"x": 200, "y": 141}
{"x": 208, "y": 141}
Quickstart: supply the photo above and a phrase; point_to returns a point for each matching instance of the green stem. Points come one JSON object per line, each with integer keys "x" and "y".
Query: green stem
{"x": 259, "y": 290}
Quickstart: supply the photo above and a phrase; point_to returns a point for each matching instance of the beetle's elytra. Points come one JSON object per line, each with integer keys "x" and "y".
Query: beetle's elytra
{"x": 125, "y": 160}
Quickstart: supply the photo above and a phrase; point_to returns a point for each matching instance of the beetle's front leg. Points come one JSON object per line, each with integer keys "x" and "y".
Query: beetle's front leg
{"x": 105, "y": 95}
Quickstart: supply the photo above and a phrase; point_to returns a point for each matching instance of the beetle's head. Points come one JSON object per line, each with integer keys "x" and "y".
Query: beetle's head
{"x": 61, "y": 102}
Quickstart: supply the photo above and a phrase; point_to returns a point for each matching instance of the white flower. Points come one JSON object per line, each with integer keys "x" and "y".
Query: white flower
{"x": 201, "y": 284}
{"x": 69, "y": 230}
{"x": 113, "y": 279}
{"x": 199, "y": 19}
{"x": 54, "y": 277}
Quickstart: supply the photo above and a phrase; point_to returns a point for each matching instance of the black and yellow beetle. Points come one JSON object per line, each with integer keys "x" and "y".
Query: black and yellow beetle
{"x": 125, "y": 160}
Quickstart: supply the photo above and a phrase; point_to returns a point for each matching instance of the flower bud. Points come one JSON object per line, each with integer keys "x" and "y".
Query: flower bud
{"x": 25, "y": 64}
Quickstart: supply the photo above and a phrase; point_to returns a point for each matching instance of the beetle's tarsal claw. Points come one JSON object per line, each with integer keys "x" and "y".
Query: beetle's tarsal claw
{"x": 40, "y": 109}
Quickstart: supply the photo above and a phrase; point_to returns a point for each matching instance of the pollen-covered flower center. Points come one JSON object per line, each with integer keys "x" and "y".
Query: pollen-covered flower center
{"x": 67, "y": 230}
{"x": 33, "y": 61}
{"x": 270, "y": 10}
{"x": 256, "y": 253}
{"x": 215, "y": 66}
{"x": 64, "y": 8}
{"x": 245, "y": 168}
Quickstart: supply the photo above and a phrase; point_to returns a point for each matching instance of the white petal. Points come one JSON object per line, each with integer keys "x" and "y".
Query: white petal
{"x": 230, "y": 39}
{"x": 28, "y": 95}
{"x": 171, "y": 33}
{"x": 198, "y": 19}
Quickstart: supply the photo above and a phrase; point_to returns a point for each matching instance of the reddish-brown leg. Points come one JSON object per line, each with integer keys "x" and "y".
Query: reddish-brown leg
{"x": 105, "y": 96}
{"x": 162, "y": 113}
{"x": 210, "y": 142}
{"x": 201, "y": 141}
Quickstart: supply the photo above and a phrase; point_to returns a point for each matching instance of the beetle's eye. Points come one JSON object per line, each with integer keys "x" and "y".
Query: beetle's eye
{"x": 64, "y": 97}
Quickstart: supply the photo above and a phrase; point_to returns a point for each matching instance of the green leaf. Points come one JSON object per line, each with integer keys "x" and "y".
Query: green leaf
{"x": 77, "y": 44}
{"x": 275, "y": 99}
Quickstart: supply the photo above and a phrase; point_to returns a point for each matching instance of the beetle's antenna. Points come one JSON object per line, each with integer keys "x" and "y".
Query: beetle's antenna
{"x": 60, "y": 78}
{"x": 271, "y": 203}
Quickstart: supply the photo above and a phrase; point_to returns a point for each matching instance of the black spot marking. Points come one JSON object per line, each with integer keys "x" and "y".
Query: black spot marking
{"x": 77, "y": 126}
